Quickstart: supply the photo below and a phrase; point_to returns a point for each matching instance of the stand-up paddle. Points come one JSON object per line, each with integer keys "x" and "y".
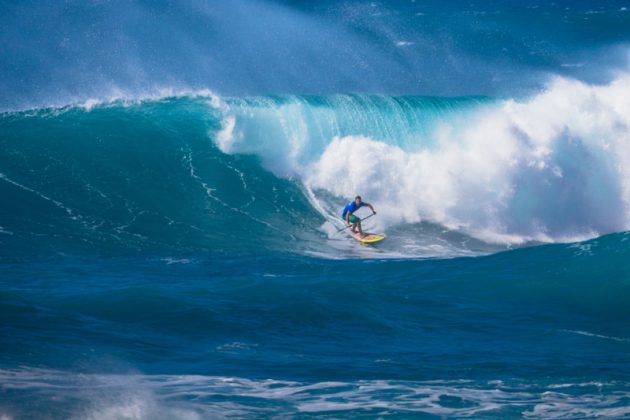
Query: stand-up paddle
{"x": 344, "y": 228}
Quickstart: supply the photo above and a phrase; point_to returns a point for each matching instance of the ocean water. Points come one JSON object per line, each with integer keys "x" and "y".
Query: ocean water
{"x": 171, "y": 181}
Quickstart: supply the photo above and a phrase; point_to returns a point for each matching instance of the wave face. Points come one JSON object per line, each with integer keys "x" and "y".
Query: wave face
{"x": 139, "y": 177}
{"x": 153, "y": 176}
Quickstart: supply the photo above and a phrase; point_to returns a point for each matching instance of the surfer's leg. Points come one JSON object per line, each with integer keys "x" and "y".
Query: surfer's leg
{"x": 356, "y": 223}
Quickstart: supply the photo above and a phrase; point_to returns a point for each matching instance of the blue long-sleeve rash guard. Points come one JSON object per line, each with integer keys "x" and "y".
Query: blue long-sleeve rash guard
{"x": 351, "y": 207}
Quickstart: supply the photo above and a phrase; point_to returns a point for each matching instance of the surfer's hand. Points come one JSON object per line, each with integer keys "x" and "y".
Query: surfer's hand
{"x": 373, "y": 212}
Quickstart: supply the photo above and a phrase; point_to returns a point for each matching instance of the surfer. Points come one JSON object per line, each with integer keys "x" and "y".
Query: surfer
{"x": 353, "y": 220}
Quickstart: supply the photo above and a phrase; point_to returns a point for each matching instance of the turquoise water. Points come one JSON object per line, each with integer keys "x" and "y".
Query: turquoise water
{"x": 169, "y": 210}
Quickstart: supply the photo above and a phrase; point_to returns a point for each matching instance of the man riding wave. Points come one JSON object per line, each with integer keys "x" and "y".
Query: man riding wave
{"x": 353, "y": 220}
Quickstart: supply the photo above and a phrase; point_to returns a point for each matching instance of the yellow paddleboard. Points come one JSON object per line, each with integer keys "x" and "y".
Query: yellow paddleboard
{"x": 370, "y": 238}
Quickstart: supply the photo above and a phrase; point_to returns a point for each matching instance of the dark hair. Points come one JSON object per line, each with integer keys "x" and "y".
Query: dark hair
{"x": 358, "y": 196}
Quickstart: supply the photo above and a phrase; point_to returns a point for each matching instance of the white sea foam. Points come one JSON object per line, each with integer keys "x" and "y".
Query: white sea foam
{"x": 58, "y": 204}
{"x": 604, "y": 337}
{"x": 225, "y": 136}
{"x": 552, "y": 168}
{"x": 170, "y": 261}
{"x": 103, "y": 396}
{"x": 119, "y": 97}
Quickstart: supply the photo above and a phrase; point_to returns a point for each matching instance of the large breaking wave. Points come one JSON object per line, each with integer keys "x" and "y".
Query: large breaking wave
{"x": 448, "y": 176}
{"x": 553, "y": 167}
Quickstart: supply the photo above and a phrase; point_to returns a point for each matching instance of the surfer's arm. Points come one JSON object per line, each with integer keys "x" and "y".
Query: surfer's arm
{"x": 348, "y": 218}
{"x": 371, "y": 208}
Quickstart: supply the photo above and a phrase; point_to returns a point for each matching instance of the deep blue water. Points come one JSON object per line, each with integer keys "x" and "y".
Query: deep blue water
{"x": 171, "y": 181}
{"x": 539, "y": 331}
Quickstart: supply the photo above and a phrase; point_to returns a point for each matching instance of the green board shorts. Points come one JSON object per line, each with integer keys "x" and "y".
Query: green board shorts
{"x": 353, "y": 219}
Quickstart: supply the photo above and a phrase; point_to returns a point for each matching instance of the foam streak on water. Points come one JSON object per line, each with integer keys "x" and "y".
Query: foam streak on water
{"x": 101, "y": 396}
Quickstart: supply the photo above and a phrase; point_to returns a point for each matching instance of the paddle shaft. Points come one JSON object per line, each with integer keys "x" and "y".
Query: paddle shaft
{"x": 360, "y": 220}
